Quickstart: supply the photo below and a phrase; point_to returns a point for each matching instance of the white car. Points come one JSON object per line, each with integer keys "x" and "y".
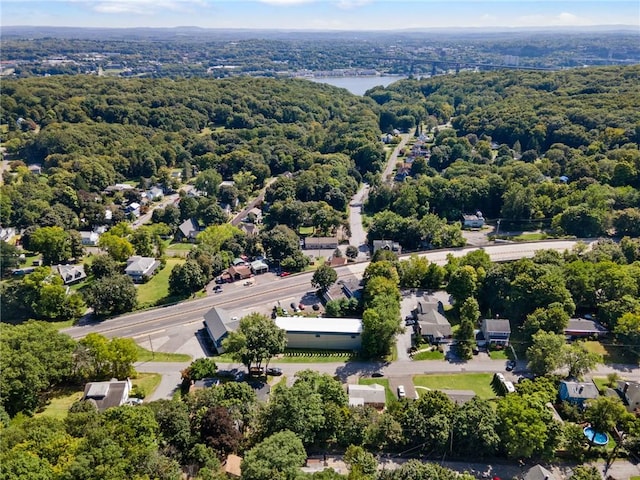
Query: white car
{"x": 401, "y": 392}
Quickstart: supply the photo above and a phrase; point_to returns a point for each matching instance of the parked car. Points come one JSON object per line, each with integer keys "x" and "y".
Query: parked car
{"x": 256, "y": 371}
{"x": 284, "y": 274}
{"x": 217, "y": 289}
{"x": 274, "y": 371}
{"x": 293, "y": 307}
{"x": 377, "y": 374}
{"x": 134, "y": 401}
{"x": 511, "y": 364}
{"x": 401, "y": 392}
{"x": 409, "y": 321}
{"x": 249, "y": 283}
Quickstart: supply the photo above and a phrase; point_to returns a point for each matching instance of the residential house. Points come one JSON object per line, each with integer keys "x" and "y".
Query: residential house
{"x": 538, "y": 472}
{"x": 133, "y": 208}
{"x": 582, "y": 327}
{"x": 232, "y": 466}
{"x": 236, "y": 272}
{"x": 318, "y": 243}
{"x": 118, "y": 187}
{"x": 219, "y": 324}
{"x": 141, "y": 268}
{"x": 203, "y": 384}
{"x": 107, "y": 394}
{"x": 336, "y": 261}
{"x": 258, "y": 267}
{"x": 387, "y": 245}
{"x": 630, "y": 393}
{"x": 249, "y": 229}
{"x": 71, "y": 273}
{"x": 7, "y": 233}
{"x": 577, "y": 392}
{"x": 473, "y": 221}
{"x": 188, "y": 230}
{"x": 89, "y": 239}
{"x": 373, "y": 395}
{"x": 35, "y": 168}
{"x": 155, "y": 193}
{"x": 322, "y": 333}
{"x": 496, "y": 331}
{"x": 431, "y": 324}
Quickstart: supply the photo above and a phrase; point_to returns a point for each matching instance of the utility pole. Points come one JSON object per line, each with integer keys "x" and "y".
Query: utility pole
{"x": 153, "y": 355}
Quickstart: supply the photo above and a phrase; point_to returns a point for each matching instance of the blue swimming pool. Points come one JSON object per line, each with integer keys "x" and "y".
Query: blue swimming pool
{"x": 600, "y": 438}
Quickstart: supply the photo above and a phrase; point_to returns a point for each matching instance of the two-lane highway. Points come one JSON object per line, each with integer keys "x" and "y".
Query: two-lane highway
{"x": 267, "y": 291}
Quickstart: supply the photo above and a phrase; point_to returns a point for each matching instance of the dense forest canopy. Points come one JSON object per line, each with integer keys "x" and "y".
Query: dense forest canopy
{"x": 525, "y": 146}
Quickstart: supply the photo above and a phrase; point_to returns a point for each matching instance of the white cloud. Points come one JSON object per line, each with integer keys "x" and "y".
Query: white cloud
{"x": 136, "y": 6}
{"x": 349, "y": 4}
{"x": 286, "y": 2}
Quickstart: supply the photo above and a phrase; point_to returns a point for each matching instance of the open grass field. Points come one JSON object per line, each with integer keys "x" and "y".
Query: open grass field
{"x": 390, "y": 396}
{"x": 157, "y": 288}
{"x": 498, "y": 355}
{"x": 145, "y": 355}
{"x": 478, "y": 382}
{"x": 611, "y": 353}
{"x": 306, "y": 230}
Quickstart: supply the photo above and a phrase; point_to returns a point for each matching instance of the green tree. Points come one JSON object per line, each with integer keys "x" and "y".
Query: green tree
{"x": 469, "y": 314}
{"x": 604, "y": 414}
{"x": 579, "y": 360}
{"x": 200, "y": 368}
{"x": 526, "y": 427}
{"x": 462, "y": 284}
{"x": 103, "y": 266}
{"x": 278, "y": 457}
{"x": 384, "y": 269}
{"x": 34, "y": 357}
{"x": 546, "y": 354}
{"x": 256, "y": 340}
{"x": 474, "y": 429}
{"x": 352, "y": 252}
{"x": 323, "y": 277}
{"x": 9, "y": 258}
{"x": 119, "y": 248}
{"x": 112, "y": 295}
{"x": 53, "y": 243}
{"x": 586, "y": 472}
{"x": 186, "y": 278}
{"x": 362, "y": 465}
{"x": 208, "y": 181}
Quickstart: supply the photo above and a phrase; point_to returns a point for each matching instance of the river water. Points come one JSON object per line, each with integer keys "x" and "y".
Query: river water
{"x": 358, "y": 85}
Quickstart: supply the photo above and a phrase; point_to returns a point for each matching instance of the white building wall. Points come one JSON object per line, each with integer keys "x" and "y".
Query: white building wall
{"x": 326, "y": 341}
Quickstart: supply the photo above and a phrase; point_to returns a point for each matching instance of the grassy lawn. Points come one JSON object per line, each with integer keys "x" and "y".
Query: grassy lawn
{"x": 145, "y": 355}
{"x": 157, "y": 288}
{"x": 147, "y": 382}
{"x": 390, "y": 397}
{"x": 306, "y": 230}
{"x": 181, "y": 247}
{"x": 611, "y": 353}
{"x": 601, "y": 383}
{"x": 478, "y": 382}
{"x": 295, "y": 355}
{"x": 60, "y": 402}
{"x": 529, "y": 237}
{"x": 429, "y": 355}
{"x": 498, "y": 355}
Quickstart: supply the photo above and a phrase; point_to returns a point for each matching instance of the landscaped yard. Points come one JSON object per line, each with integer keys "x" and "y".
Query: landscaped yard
{"x": 157, "y": 288}
{"x": 306, "y": 230}
{"x": 498, "y": 355}
{"x": 429, "y": 355}
{"x": 478, "y": 382}
{"x": 313, "y": 356}
{"x": 60, "y": 403}
{"x": 390, "y": 397}
{"x": 146, "y": 382}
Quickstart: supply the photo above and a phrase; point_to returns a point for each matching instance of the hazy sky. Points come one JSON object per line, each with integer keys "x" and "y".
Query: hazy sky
{"x": 319, "y": 14}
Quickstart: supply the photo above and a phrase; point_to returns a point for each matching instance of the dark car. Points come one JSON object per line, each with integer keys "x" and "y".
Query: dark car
{"x": 409, "y": 321}
{"x": 217, "y": 289}
{"x": 274, "y": 371}
{"x": 511, "y": 364}
{"x": 377, "y": 374}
